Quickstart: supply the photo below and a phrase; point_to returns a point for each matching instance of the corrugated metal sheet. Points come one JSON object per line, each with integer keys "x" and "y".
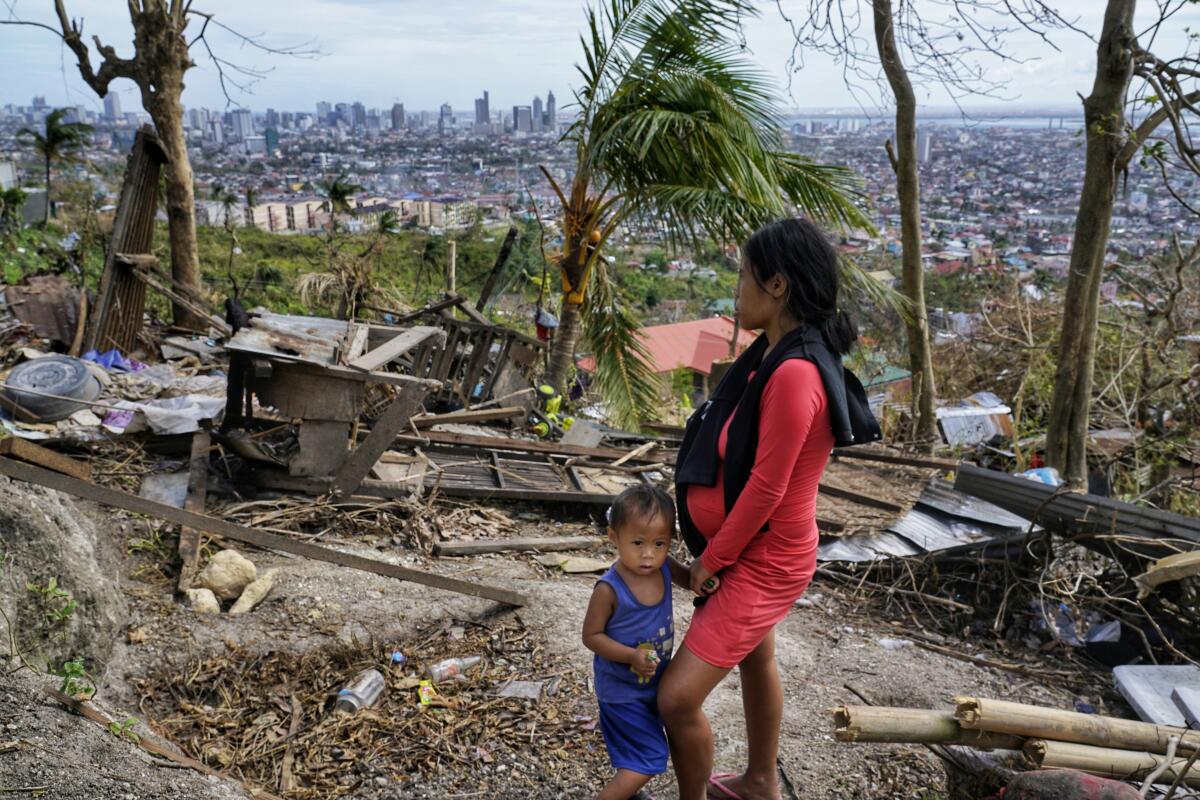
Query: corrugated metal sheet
{"x": 942, "y": 521}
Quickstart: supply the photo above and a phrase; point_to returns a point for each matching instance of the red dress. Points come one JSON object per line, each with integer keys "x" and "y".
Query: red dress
{"x": 763, "y": 574}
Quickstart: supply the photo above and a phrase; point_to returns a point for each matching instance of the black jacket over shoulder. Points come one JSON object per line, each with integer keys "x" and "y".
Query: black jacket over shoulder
{"x": 849, "y": 413}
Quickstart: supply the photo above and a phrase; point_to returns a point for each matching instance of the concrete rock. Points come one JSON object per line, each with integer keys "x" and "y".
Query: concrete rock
{"x": 254, "y": 593}
{"x": 227, "y": 574}
{"x": 203, "y": 601}
{"x": 43, "y": 536}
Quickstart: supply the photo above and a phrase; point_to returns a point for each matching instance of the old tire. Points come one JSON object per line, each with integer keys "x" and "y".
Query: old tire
{"x": 68, "y": 378}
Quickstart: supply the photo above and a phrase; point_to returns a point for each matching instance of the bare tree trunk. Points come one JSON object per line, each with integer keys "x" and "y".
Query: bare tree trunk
{"x": 167, "y": 112}
{"x": 1104, "y": 119}
{"x": 46, "y": 211}
{"x": 904, "y": 162}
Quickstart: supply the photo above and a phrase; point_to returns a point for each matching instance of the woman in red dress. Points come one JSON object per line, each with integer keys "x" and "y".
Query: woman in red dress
{"x": 754, "y": 502}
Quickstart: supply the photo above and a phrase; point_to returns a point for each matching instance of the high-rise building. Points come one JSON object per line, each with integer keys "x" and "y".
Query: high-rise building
{"x": 324, "y": 109}
{"x": 536, "y": 114}
{"x": 522, "y": 119}
{"x": 551, "y": 114}
{"x": 924, "y": 146}
{"x": 39, "y": 104}
{"x": 287, "y": 119}
{"x": 359, "y": 120}
{"x": 216, "y": 131}
{"x": 399, "y": 123}
{"x": 445, "y": 119}
{"x": 271, "y": 118}
{"x": 243, "y": 124}
{"x": 112, "y": 106}
{"x": 341, "y": 113}
{"x": 483, "y": 114}
{"x": 272, "y": 139}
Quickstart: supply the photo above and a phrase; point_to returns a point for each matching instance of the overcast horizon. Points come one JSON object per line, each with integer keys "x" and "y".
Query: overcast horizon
{"x": 384, "y": 51}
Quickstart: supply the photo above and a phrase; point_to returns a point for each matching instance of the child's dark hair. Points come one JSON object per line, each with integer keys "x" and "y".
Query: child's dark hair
{"x": 801, "y": 252}
{"x": 642, "y": 501}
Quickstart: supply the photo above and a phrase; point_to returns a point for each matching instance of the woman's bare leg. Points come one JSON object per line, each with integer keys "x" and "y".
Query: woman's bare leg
{"x": 686, "y": 683}
{"x": 762, "y": 702}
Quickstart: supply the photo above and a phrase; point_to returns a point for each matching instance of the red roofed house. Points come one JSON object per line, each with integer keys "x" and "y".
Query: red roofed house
{"x": 692, "y": 346}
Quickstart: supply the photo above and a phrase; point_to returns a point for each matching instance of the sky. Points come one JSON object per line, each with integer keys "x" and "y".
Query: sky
{"x": 427, "y": 52}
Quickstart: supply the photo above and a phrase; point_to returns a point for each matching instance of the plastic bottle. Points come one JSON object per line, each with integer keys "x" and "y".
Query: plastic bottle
{"x": 452, "y": 668}
{"x": 362, "y": 692}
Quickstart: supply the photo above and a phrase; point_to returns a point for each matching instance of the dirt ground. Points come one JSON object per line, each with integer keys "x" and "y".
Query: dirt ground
{"x": 823, "y": 647}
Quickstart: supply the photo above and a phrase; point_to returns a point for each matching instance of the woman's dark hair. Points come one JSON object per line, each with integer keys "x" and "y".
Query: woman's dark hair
{"x": 801, "y": 252}
{"x": 642, "y": 501}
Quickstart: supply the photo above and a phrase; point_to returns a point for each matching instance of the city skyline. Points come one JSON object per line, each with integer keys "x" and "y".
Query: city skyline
{"x": 382, "y": 52}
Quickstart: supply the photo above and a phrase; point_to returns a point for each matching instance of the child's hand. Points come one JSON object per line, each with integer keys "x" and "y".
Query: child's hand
{"x": 645, "y": 662}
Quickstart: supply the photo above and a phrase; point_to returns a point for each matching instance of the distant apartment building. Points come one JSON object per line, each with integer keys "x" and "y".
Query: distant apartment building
{"x": 243, "y": 124}
{"x": 358, "y": 115}
{"x": 324, "y": 110}
{"x": 256, "y": 145}
{"x": 445, "y": 119}
{"x": 112, "y": 106}
{"x": 306, "y": 215}
{"x": 399, "y": 123}
{"x": 924, "y": 146}
{"x": 267, "y": 216}
{"x": 536, "y": 115}
{"x": 551, "y": 121}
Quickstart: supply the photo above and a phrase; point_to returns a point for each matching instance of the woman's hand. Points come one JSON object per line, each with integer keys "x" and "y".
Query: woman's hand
{"x": 703, "y": 582}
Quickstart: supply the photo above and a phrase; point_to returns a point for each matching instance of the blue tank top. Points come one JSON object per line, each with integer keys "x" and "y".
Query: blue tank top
{"x": 634, "y": 624}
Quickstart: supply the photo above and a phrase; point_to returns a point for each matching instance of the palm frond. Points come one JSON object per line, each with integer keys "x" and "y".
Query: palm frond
{"x": 319, "y": 288}
{"x": 623, "y": 372}
{"x": 859, "y": 285}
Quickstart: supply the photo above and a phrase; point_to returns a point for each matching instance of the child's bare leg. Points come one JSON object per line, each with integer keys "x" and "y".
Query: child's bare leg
{"x": 624, "y": 785}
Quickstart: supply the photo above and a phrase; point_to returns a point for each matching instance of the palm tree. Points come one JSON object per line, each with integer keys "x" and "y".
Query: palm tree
{"x": 350, "y": 278}
{"x": 57, "y": 144}
{"x": 229, "y": 203}
{"x": 337, "y": 193}
{"x": 674, "y": 128}
{"x": 251, "y": 202}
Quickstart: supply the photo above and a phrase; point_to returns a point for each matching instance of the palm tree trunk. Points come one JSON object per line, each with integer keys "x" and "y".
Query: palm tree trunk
{"x": 908, "y": 190}
{"x": 562, "y": 353}
{"x": 1104, "y": 117}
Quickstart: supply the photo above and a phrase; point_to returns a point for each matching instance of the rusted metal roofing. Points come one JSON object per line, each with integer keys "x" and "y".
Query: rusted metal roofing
{"x": 47, "y": 303}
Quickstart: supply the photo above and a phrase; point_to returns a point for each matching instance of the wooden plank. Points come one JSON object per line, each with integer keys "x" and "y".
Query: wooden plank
{"x": 394, "y": 348}
{"x": 393, "y": 420}
{"x": 239, "y": 533}
{"x": 178, "y": 299}
{"x": 189, "y": 538}
{"x": 24, "y": 450}
{"x": 484, "y": 415}
{"x": 355, "y": 341}
{"x": 866, "y": 454}
{"x": 529, "y": 495}
{"x": 151, "y": 744}
{"x": 499, "y": 470}
{"x": 481, "y": 351}
{"x": 531, "y": 446}
{"x": 497, "y": 366}
{"x": 336, "y": 371}
{"x": 861, "y": 499}
{"x": 537, "y": 544}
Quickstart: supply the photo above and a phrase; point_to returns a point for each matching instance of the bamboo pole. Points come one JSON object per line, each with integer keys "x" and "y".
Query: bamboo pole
{"x": 1036, "y": 722}
{"x": 1107, "y": 762}
{"x": 912, "y": 725}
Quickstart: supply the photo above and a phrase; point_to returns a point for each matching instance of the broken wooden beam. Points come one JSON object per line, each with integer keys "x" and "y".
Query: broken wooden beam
{"x": 531, "y": 446}
{"x": 912, "y": 726}
{"x": 472, "y": 416}
{"x": 197, "y": 495}
{"x": 24, "y": 450}
{"x": 867, "y": 454}
{"x": 239, "y": 533}
{"x": 394, "y": 419}
{"x": 395, "y": 347}
{"x": 152, "y": 744}
{"x": 537, "y": 544}
{"x": 858, "y": 497}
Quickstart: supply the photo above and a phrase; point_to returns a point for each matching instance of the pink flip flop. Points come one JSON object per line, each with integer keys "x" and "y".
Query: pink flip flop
{"x": 723, "y": 791}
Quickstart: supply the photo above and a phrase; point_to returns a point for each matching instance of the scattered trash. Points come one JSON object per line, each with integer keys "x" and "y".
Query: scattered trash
{"x": 362, "y": 692}
{"x": 526, "y": 690}
{"x": 52, "y": 388}
{"x": 398, "y": 658}
{"x": 427, "y": 694}
{"x": 452, "y": 668}
{"x": 894, "y": 644}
